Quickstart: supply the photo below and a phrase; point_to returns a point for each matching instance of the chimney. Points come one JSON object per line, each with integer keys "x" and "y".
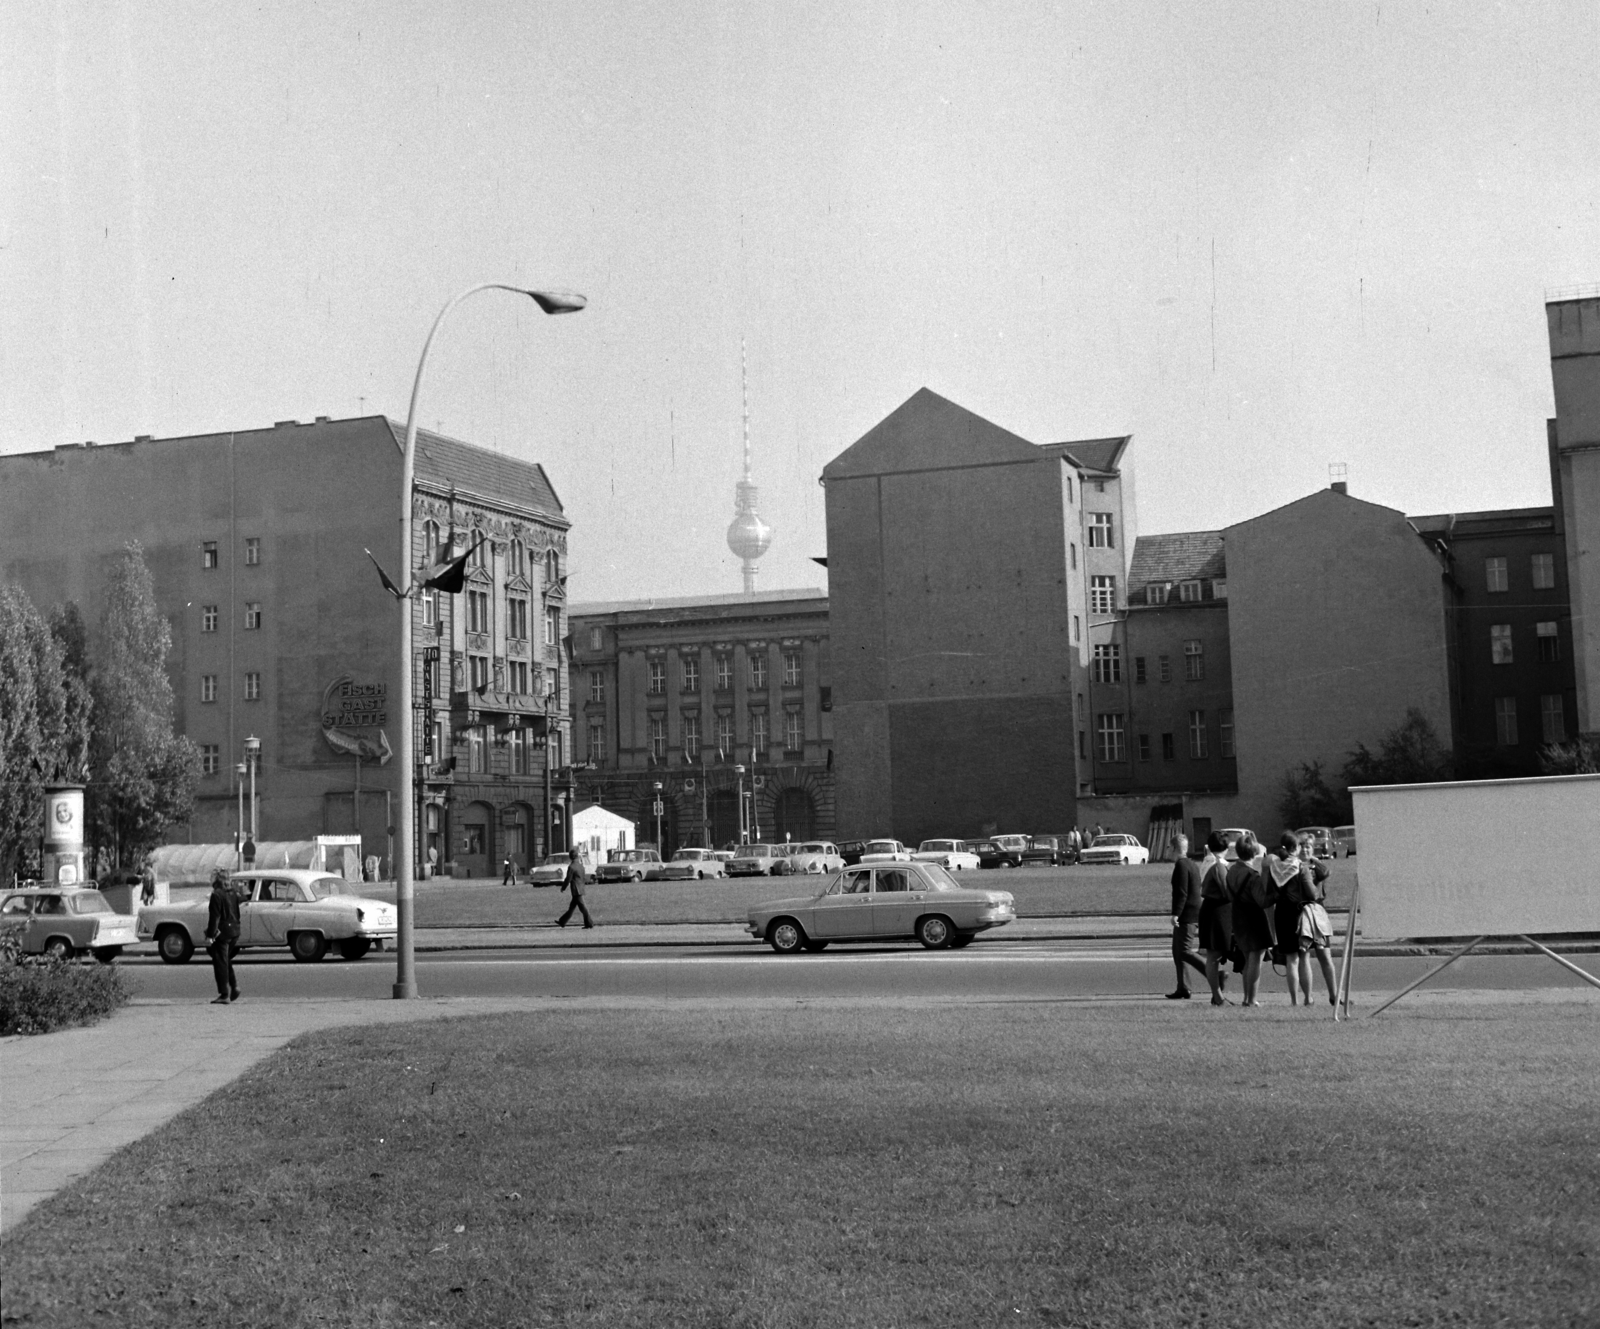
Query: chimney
{"x": 1337, "y": 473}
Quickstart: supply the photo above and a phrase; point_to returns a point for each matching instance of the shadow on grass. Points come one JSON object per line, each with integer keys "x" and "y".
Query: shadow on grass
{"x": 944, "y": 1166}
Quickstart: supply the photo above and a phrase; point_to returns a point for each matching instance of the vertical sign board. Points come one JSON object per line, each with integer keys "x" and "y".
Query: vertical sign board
{"x": 1479, "y": 858}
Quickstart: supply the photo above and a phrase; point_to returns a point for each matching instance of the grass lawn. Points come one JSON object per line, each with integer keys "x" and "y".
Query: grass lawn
{"x": 876, "y": 1165}
{"x": 1040, "y": 893}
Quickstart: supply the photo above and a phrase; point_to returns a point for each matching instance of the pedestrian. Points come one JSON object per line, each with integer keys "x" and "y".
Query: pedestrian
{"x": 433, "y": 862}
{"x": 1252, "y": 918}
{"x": 1216, "y": 916}
{"x": 1301, "y": 921}
{"x": 372, "y": 867}
{"x": 147, "y": 882}
{"x": 1187, "y": 879}
{"x": 1074, "y": 844}
{"x": 249, "y": 851}
{"x": 508, "y": 877}
{"x": 222, "y": 937}
{"x": 574, "y": 882}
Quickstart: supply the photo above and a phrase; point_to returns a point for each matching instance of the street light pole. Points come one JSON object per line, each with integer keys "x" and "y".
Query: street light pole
{"x": 657, "y": 810}
{"x": 238, "y": 839}
{"x": 405, "y": 979}
{"x": 252, "y": 754}
{"x": 738, "y": 775}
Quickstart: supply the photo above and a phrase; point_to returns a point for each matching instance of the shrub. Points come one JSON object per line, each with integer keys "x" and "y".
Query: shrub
{"x": 39, "y": 995}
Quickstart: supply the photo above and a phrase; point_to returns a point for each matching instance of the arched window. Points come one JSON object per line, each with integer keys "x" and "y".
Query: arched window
{"x": 479, "y": 547}
{"x": 430, "y": 542}
{"x": 552, "y": 567}
{"x": 515, "y": 565}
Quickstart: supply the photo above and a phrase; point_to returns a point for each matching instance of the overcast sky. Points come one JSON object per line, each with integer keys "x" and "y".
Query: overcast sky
{"x": 1259, "y": 237}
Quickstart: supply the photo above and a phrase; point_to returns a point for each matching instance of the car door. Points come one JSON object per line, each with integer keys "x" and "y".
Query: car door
{"x": 846, "y": 911}
{"x": 896, "y": 901}
{"x": 266, "y": 919}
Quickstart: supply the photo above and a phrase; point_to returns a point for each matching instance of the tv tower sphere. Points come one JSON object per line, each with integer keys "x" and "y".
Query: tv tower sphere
{"x": 748, "y": 536}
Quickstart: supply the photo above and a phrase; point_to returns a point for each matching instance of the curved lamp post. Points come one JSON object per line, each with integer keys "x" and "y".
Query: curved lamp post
{"x": 405, "y": 979}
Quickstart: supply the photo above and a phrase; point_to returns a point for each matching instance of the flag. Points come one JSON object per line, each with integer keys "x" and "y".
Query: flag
{"x": 450, "y": 575}
{"x": 384, "y": 578}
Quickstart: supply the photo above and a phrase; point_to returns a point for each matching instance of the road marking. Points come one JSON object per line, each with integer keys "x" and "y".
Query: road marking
{"x": 1045, "y": 957}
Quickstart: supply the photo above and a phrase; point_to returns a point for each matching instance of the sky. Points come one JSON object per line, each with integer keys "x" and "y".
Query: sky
{"x": 1261, "y": 238}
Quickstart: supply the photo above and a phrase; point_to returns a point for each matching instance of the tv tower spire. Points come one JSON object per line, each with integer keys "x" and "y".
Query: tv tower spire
{"x": 748, "y": 536}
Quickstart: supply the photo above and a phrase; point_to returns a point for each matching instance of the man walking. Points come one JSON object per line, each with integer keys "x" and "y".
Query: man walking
{"x": 1187, "y": 876}
{"x": 574, "y": 882}
{"x": 222, "y": 937}
{"x": 509, "y": 876}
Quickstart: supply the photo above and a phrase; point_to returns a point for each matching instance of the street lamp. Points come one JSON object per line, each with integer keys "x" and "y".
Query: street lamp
{"x": 238, "y": 839}
{"x": 658, "y": 816}
{"x": 738, "y": 772}
{"x": 405, "y": 979}
{"x": 252, "y": 755}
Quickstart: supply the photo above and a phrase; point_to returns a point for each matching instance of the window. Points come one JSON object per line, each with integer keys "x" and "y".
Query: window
{"x": 690, "y": 665}
{"x": 658, "y": 737}
{"x": 1188, "y": 591}
{"x": 1500, "y": 643}
{"x": 552, "y": 567}
{"x": 1108, "y": 663}
{"x": 1494, "y": 574}
{"x": 556, "y": 751}
{"x": 211, "y": 758}
{"x": 1102, "y": 595}
{"x": 1549, "y": 642}
{"x": 1219, "y": 589}
{"x": 1225, "y": 732}
{"x": 208, "y": 618}
{"x": 516, "y": 560}
{"x": 597, "y": 685}
{"x": 478, "y": 611}
{"x": 1069, "y": 489}
{"x": 517, "y": 744}
{"x": 252, "y": 686}
{"x": 1081, "y": 709}
{"x": 1144, "y": 747}
{"x": 1194, "y": 660}
{"x": 722, "y": 673}
{"x": 516, "y": 618}
{"x": 208, "y": 554}
{"x": 758, "y": 670}
{"x": 1544, "y": 572}
{"x": 691, "y": 735}
{"x": 430, "y": 609}
{"x": 252, "y": 615}
{"x": 724, "y": 735}
{"x": 1505, "y": 721}
{"x": 1109, "y": 745}
{"x": 479, "y": 557}
{"x": 825, "y": 698}
{"x": 1168, "y": 749}
{"x": 552, "y": 626}
{"x": 1138, "y": 669}
{"x": 517, "y": 676}
{"x": 597, "y": 638}
{"x": 658, "y": 678}
{"x": 1165, "y": 663}
{"x": 793, "y": 730}
{"x": 252, "y": 552}
{"x": 1552, "y": 718}
{"x": 1077, "y": 630}
{"x": 1156, "y": 593}
{"x": 758, "y": 732}
{"x": 479, "y": 665}
{"x": 791, "y": 669}
{"x": 475, "y": 752}
{"x": 597, "y": 740}
{"x": 435, "y": 735}
{"x": 1197, "y": 735}
{"x": 430, "y": 542}
{"x": 1100, "y": 535}
{"x": 208, "y": 687}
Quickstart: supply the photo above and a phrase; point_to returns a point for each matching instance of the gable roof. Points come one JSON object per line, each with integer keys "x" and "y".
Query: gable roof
{"x": 1093, "y": 454}
{"x": 442, "y": 462}
{"x": 1183, "y": 556}
{"x": 927, "y": 432}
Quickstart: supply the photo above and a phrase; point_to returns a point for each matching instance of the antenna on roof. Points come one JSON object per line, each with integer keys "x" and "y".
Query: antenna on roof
{"x": 1338, "y": 477}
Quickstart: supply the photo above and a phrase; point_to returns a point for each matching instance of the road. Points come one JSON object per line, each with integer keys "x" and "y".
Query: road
{"x": 992, "y": 971}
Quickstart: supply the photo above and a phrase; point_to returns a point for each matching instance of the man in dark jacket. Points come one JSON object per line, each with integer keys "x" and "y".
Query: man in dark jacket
{"x": 222, "y": 938}
{"x": 1186, "y": 879}
{"x": 574, "y": 882}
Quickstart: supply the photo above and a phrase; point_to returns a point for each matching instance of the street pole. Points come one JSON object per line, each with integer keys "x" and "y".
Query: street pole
{"x": 658, "y": 816}
{"x": 252, "y": 753}
{"x": 238, "y": 839}
{"x": 738, "y": 775}
{"x": 405, "y": 980}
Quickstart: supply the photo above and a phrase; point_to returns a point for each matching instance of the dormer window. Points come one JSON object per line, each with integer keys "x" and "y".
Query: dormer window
{"x": 1188, "y": 591}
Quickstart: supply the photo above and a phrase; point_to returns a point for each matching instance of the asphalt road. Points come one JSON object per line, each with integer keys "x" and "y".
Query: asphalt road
{"x": 993, "y": 971}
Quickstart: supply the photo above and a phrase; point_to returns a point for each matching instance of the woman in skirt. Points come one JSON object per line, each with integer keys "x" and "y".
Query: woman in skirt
{"x": 1216, "y": 915}
{"x": 1252, "y": 928}
{"x": 1301, "y": 920}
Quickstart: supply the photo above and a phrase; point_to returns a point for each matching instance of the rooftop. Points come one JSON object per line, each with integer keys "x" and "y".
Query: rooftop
{"x": 1182, "y": 556}
{"x": 443, "y": 461}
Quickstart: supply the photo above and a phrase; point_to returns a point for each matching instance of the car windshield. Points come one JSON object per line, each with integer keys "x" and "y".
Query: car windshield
{"x": 323, "y": 887}
{"x": 688, "y": 855}
{"x": 882, "y": 847}
{"x": 1108, "y": 839}
{"x": 935, "y": 846}
{"x": 557, "y": 860}
{"x": 759, "y": 851}
{"x": 813, "y": 849}
{"x": 88, "y": 902}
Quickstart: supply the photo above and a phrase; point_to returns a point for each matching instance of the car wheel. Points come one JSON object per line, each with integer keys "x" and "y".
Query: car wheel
{"x": 935, "y": 931}
{"x": 353, "y": 948}
{"x": 308, "y": 946}
{"x": 786, "y": 936}
{"x": 58, "y": 948}
{"x": 174, "y": 946}
{"x": 638, "y": 876}
{"x": 960, "y": 940}
{"x": 107, "y": 954}
{"x": 815, "y": 946}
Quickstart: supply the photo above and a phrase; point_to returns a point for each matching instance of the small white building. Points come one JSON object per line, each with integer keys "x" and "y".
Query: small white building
{"x": 598, "y": 831}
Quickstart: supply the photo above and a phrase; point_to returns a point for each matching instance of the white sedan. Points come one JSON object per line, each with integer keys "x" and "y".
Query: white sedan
{"x": 1124, "y": 849}
{"x": 884, "y": 851}
{"x": 951, "y": 855}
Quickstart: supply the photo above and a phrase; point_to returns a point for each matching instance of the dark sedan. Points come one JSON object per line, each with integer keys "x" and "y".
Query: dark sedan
{"x": 1047, "y": 851}
{"x": 851, "y": 851}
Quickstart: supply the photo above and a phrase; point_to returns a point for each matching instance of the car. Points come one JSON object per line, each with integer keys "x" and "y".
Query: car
{"x": 951, "y": 855}
{"x": 1047, "y": 850}
{"x": 628, "y": 865}
{"x": 67, "y": 921}
{"x": 1001, "y": 851}
{"x": 1321, "y": 840}
{"x": 759, "y": 860}
{"x": 551, "y": 872}
{"x": 689, "y": 865}
{"x": 883, "y": 902}
{"x": 1344, "y": 841}
{"x": 815, "y": 856}
{"x": 1233, "y": 834}
{"x": 884, "y": 851}
{"x": 300, "y": 908}
{"x": 1115, "y": 848}
{"x": 851, "y": 851}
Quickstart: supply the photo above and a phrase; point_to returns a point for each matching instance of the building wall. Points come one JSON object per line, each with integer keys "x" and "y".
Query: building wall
{"x": 1336, "y": 610}
{"x": 1163, "y": 701}
{"x": 1575, "y": 371}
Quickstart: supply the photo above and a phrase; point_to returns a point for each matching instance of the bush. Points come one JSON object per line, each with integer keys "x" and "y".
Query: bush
{"x": 39, "y": 995}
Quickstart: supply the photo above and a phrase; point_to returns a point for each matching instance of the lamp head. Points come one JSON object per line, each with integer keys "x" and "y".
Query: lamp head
{"x": 241, "y": 768}
{"x": 252, "y": 746}
{"x": 558, "y": 302}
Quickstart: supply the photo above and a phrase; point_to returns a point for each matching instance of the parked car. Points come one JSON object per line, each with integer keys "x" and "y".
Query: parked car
{"x": 1344, "y": 840}
{"x": 851, "y": 851}
{"x": 305, "y": 910}
{"x": 1047, "y": 851}
{"x": 689, "y": 865}
{"x": 815, "y": 856}
{"x": 67, "y": 921}
{"x": 1233, "y": 834}
{"x": 628, "y": 865}
{"x": 884, "y": 851}
{"x": 1321, "y": 839}
{"x": 951, "y": 855}
{"x": 551, "y": 872}
{"x": 883, "y": 902}
{"x": 1001, "y": 851}
{"x": 1123, "y": 849}
{"x": 759, "y": 860}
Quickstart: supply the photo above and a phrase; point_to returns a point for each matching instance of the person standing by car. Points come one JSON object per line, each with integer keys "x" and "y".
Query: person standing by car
{"x": 1187, "y": 879}
{"x": 1252, "y": 918}
{"x": 222, "y": 937}
{"x": 574, "y": 882}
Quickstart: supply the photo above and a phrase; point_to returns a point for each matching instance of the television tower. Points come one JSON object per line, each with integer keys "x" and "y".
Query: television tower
{"x": 748, "y": 535}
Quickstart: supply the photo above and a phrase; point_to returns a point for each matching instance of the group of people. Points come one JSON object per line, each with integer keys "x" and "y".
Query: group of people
{"x": 1236, "y": 912}
{"x": 1080, "y": 838}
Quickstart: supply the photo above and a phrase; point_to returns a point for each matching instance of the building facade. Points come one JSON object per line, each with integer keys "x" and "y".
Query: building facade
{"x": 1574, "y": 440}
{"x": 719, "y": 708}
{"x": 281, "y": 630}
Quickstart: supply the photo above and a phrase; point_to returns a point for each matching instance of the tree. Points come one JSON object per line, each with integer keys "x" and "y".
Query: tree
{"x": 144, "y": 774}
{"x": 1579, "y": 757}
{"x": 1410, "y": 753}
{"x": 1304, "y": 798}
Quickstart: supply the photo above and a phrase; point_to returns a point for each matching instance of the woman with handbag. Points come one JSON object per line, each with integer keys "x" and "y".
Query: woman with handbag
{"x": 1301, "y": 920}
{"x": 1252, "y": 922}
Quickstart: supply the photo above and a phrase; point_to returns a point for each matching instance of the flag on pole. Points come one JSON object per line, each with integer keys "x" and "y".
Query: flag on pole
{"x": 384, "y": 578}
{"x": 450, "y": 575}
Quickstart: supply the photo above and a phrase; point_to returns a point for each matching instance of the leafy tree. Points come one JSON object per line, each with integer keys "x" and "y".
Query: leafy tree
{"x": 144, "y": 775}
{"x": 1579, "y": 757}
{"x": 1304, "y": 798}
{"x": 1410, "y": 753}
{"x": 72, "y": 642}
